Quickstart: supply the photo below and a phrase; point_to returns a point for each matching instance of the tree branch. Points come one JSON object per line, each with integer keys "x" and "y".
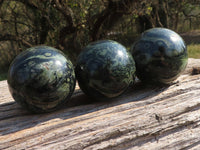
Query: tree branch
{"x": 28, "y": 3}
{"x": 66, "y": 11}
{"x": 114, "y": 10}
{"x": 1, "y": 2}
{"x": 9, "y": 37}
{"x": 69, "y": 17}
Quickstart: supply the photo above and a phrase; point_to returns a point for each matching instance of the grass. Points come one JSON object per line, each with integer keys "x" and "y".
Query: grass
{"x": 193, "y": 50}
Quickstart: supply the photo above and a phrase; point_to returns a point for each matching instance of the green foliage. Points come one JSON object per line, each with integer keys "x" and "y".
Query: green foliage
{"x": 194, "y": 51}
{"x": 69, "y": 25}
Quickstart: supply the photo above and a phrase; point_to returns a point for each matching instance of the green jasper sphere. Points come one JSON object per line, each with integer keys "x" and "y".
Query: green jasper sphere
{"x": 41, "y": 79}
{"x": 160, "y": 55}
{"x": 105, "y": 69}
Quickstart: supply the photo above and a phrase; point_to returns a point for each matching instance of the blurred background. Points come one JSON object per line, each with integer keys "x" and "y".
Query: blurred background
{"x": 69, "y": 25}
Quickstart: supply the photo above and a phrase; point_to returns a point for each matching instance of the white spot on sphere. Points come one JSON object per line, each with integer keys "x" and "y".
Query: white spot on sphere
{"x": 58, "y": 63}
{"x": 120, "y": 53}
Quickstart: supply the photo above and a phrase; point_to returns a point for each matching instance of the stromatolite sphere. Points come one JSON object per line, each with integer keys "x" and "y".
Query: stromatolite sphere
{"x": 41, "y": 79}
{"x": 105, "y": 69}
{"x": 160, "y": 55}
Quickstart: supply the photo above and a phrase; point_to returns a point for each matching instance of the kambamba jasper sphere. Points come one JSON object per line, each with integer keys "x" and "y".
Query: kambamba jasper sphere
{"x": 41, "y": 79}
{"x": 160, "y": 55}
{"x": 105, "y": 69}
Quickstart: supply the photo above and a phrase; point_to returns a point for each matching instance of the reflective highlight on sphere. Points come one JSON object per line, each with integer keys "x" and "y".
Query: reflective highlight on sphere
{"x": 160, "y": 55}
{"x": 105, "y": 69}
{"x": 41, "y": 79}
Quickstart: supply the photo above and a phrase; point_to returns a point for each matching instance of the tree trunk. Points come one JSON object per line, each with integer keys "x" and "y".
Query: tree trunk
{"x": 145, "y": 117}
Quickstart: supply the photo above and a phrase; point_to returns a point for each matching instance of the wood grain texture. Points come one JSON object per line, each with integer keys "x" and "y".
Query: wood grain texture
{"x": 145, "y": 117}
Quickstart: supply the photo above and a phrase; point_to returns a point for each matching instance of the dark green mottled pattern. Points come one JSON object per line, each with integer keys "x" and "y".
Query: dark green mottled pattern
{"x": 41, "y": 79}
{"x": 160, "y": 55}
{"x": 105, "y": 69}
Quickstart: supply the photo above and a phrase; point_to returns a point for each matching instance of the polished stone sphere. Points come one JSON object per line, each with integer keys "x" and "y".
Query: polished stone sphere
{"x": 160, "y": 55}
{"x": 41, "y": 79}
{"x": 105, "y": 69}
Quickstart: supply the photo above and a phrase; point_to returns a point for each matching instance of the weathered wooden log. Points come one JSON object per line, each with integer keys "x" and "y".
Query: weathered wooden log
{"x": 145, "y": 117}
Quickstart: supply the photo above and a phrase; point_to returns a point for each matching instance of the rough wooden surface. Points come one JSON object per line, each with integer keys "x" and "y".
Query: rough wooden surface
{"x": 145, "y": 117}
